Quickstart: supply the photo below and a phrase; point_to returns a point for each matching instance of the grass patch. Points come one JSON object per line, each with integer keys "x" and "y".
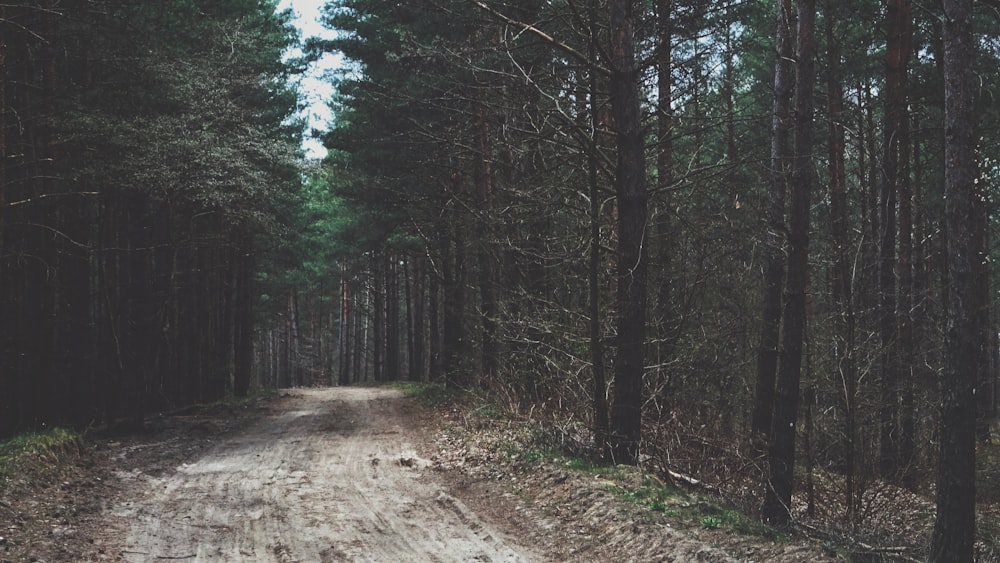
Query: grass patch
{"x": 429, "y": 394}
{"x": 653, "y": 496}
{"x": 595, "y": 468}
{"x": 35, "y": 451}
{"x": 695, "y": 510}
{"x": 559, "y": 457}
{"x": 584, "y": 466}
{"x": 486, "y": 411}
{"x": 650, "y": 496}
{"x": 530, "y": 456}
{"x": 227, "y": 403}
{"x": 37, "y": 443}
{"x": 252, "y": 397}
{"x": 711, "y": 523}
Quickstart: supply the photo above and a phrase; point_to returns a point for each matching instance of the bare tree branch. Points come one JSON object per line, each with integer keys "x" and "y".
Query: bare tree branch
{"x": 526, "y": 27}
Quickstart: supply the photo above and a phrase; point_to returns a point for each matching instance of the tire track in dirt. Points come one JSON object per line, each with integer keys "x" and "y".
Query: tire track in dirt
{"x": 333, "y": 477}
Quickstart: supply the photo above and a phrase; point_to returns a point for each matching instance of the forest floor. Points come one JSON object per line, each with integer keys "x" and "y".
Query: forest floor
{"x": 355, "y": 474}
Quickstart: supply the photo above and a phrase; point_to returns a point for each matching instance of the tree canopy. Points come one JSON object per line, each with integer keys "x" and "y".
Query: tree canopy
{"x": 145, "y": 148}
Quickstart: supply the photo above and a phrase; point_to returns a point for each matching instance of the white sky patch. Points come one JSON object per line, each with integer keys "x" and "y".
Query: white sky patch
{"x": 314, "y": 89}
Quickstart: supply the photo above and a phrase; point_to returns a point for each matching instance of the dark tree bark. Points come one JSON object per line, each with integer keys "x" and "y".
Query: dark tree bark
{"x": 3, "y": 145}
{"x": 359, "y": 330}
{"x": 392, "y": 336}
{"x": 781, "y": 454}
{"x": 379, "y": 276}
{"x": 243, "y": 330}
{"x": 906, "y": 360}
{"x": 294, "y": 340}
{"x": 594, "y": 309}
{"x": 663, "y": 312}
{"x": 417, "y": 311}
{"x": 955, "y": 523}
{"x": 453, "y": 348}
{"x": 774, "y": 259}
{"x": 982, "y": 265}
{"x": 841, "y": 272}
{"x": 435, "y": 360}
{"x": 346, "y": 327}
{"x": 985, "y": 391}
{"x": 409, "y": 304}
{"x": 868, "y": 164}
{"x": 483, "y": 179}
{"x": 894, "y": 152}
{"x": 924, "y": 329}
{"x": 630, "y": 184}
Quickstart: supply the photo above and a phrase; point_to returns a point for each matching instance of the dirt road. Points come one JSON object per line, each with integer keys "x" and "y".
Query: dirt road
{"x": 333, "y": 475}
{"x": 337, "y": 475}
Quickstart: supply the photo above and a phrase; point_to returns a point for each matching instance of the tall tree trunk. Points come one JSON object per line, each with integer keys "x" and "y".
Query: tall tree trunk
{"x": 897, "y": 57}
{"x": 9, "y": 400}
{"x": 243, "y": 331}
{"x": 483, "y": 178}
{"x": 379, "y": 274}
{"x": 955, "y": 523}
{"x": 418, "y": 316}
{"x": 284, "y": 378}
{"x": 295, "y": 339}
{"x": 924, "y": 330}
{"x": 346, "y": 326}
{"x": 841, "y": 273}
{"x": 906, "y": 360}
{"x": 774, "y": 259}
{"x": 3, "y": 146}
{"x": 435, "y": 361}
{"x": 453, "y": 349}
{"x": 630, "y": 184}
{"x": 986, "y": 391}
{"x": 984, "y": 322}
{"x": 136, "y": 329}
{"x": 598, "y": 372}
{"x": 781, "y": 454}
{"x": 409, "y": 304}
{"x": 868, "y": 175}
{"x": 392, "y": 336}
{"x": 663, "y": 312}
{"x": 359, "y": 338}
{"x": 274, "y": 342}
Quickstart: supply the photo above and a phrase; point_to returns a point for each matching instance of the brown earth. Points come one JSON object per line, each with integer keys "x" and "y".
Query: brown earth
{"x": 342, "y": 474}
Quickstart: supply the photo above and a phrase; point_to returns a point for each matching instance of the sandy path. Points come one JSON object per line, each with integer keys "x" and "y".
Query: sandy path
{"x": 332, "y": 477}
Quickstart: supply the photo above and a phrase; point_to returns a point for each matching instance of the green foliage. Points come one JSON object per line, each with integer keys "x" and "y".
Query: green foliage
{"x": 35, "y": 451}
{"x": 431, "y": 394}
{"x": 694, "y": 509}
{"x": 486, "y": 411}
{"x": 588, "y": 466}
{"x": 232, "y": 402}
{"x": 391, "y": 146}
{"x": 155, "y": 143}
{"x": 711, "y": 523}
{"x": 301, "y": 255}
{"x": 651, "y": 494}
{"x": 196, "y": 113}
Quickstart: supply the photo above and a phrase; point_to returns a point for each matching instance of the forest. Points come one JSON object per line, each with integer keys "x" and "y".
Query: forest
{"x": 750, "y": 244}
